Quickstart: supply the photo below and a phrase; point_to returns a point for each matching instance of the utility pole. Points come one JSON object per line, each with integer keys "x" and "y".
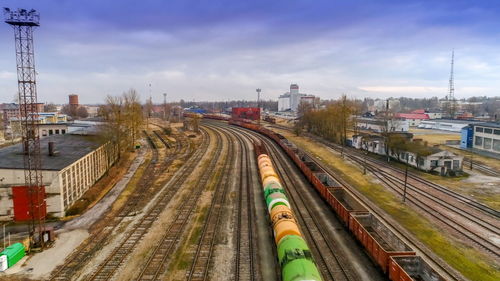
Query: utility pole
{"x": 164, "y": 106}
{"x": 23, "y": 22}
{"x": 258, "y": 90}
{"x": 406, "y": 178}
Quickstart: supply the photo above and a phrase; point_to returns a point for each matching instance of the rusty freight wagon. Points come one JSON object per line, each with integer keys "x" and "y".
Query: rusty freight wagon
{"x": 378, "y": 240}
{"x": 250, "y": 113}
{"x": 345, "y": 204}
{"x": 409, "y": 268}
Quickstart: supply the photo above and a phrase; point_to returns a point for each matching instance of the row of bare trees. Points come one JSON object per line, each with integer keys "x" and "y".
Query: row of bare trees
{"x": 333, "y": 122}
{"x": 124, "y": 117}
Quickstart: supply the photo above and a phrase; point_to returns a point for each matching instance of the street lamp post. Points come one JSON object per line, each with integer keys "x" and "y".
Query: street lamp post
{"x": 258, "y": 90}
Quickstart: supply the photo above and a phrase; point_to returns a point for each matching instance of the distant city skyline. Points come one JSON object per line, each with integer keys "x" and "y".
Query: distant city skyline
{"x": 224, "y": 50}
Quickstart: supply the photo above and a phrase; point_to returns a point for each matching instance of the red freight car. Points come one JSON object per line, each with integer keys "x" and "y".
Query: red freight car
{"x": 28, "y": 204}
{"x": 409, "y": 268}
{"x": 379, "y": 241}
{"x": 250, "y": 113}
{"x": 345, "y": 204}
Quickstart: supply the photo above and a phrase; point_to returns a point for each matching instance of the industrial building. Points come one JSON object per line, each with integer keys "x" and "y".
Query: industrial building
{"x": 486, "y": 137}
{"x": 381, "y": 125}
{"x": 48, "y": 123}
{"x": 413, "y": 119}
{"x": 438, "y": 160}
{"x": 290, "y": 101}
{"x": 73, "y": 165}
{"x": 445, "y": 124}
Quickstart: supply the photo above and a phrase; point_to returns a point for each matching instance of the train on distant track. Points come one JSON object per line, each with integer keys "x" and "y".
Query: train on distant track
{"x": 393, "y": 256}
{"x": 294, "y": 256}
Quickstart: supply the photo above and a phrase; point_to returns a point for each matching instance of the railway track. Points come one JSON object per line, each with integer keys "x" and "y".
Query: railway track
{"x": 328, "y": 256}
{"x": 487, "y": 170}
{"x": 352, "y": 153}
{"x": 156, "y": 263}
{"x": 430, "y": 257}
{"x": 199, "y": 269}
{"x": 98, "y": 239}
{"x": 115, "y": 259}
{"x": 246, "y": 253}
{"x": 424, "y": 201}
{"x": 466, "y": 224}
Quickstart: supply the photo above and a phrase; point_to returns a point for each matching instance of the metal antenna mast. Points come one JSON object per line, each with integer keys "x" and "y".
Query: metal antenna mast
{"x": 452, "y": 102}
{"x": 451, "y": 93}
{"x": 23, "y": 22}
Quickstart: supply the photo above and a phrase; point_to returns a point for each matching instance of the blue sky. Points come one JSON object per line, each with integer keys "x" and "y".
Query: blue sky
{"x": 220, "y": 50}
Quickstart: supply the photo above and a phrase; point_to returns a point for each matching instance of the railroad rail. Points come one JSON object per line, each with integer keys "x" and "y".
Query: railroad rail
{"x": 114, "y": 260}
{"x": 199, "y": 269}
{"x": 351, "y": 153}
{"x": 424, "y": 252}
{"x": 156, "y": 263}
{"x": 466, "y": 230}
{"x": 487, "y": 170}
{"x": 246, "y": 254}
{"x": 98, "y": 239}
{"x": 328, "y": 256}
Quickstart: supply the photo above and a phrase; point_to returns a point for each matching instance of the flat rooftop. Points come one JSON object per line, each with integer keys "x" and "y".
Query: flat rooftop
{"x": 69, "y": 148}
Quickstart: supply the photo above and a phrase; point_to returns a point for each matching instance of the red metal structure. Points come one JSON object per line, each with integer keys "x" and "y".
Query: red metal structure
{"x": 23, "y": 22}
{"x": 250, "y": 113}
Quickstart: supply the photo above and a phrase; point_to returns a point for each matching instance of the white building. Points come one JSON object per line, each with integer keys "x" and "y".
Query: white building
{"x": 76, "y": 164}
{"x": 290, "y": 101}
{"x": 444, "y": 124}
{"x": 487, "y": 137}
{"x": 438, "y": 160}
{"x": 380, "y": 125}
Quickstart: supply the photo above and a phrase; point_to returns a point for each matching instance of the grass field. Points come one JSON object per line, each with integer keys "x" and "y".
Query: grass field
{"x": 470, "y": 262}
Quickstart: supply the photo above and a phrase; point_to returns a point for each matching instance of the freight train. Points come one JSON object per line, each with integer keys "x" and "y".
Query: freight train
{"x": 294, "y": 255}
{"x": 394, "y": 257}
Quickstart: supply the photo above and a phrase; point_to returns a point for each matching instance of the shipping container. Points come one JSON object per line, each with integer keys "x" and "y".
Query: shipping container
{"x": 29, "y": 203}
{"x": 412, "y": 268}
{"x": 250, "y": 113}
{"x": 378, "y": 240}
{"x": 13, "y": 254}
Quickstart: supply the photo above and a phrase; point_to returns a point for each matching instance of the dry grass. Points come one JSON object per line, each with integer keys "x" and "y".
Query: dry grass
{"x": 470, "y": 262}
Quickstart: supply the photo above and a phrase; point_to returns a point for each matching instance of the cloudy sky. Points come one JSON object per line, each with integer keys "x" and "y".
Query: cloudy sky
{"x": 224, "y": 49}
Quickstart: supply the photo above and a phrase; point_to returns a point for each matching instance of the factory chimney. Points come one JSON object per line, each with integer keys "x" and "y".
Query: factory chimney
{"x": 52, "y": 148}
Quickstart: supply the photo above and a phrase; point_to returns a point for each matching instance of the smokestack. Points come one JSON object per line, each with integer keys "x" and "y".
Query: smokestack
{"x": 26, "y": 146}
{"x": 52, "y": 148}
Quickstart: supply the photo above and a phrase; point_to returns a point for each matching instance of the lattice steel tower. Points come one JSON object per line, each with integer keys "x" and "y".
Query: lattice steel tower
{"x": 23, "y": 22}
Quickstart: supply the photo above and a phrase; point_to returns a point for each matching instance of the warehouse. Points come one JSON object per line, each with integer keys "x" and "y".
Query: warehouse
{"x": 73, "y": 165}
{"x": 487, "y": 137}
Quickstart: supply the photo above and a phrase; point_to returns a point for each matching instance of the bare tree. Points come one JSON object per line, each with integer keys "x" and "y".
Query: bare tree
{"x": 50, "y": 107}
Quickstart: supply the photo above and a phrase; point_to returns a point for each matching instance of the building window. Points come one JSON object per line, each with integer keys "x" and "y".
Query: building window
{"x": 63, "y": 131}
{"x": 456, "y": 164}
{"x": 51, "y": 132}
{"x": 497, "y": 132}
{"x": 434, "y": 163}
{"x": 479, "y": 141}
{"x": 479, "y": 129}
{"x": 496, "y": 145}
{"x": 44, "y": 133}
{"x": 488, "y": 131}
{"x": 57, "y": 131}
{"x": 487, "y": 143}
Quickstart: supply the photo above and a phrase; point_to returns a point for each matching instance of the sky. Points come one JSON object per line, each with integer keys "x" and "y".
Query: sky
{"x": 225, "y": 49}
